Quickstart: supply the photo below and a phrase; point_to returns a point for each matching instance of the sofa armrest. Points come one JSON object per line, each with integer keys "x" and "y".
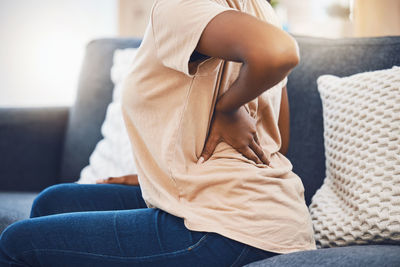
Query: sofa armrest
{"x": 31, "y": 141}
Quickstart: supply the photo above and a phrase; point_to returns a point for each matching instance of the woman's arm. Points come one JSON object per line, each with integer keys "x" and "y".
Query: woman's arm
{"x": 268, "y": 54}
{"x": 284, "y": 122}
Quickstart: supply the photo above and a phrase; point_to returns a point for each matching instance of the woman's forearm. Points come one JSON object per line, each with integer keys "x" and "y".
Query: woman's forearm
{"x": 256, "y": 76}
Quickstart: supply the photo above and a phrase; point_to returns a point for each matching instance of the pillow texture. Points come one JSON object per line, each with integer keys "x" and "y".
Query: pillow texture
{"x": 112, "y": 155}
{"x": 359, "y": 201}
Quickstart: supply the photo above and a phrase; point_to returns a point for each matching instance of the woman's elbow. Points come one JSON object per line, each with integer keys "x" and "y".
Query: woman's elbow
{"x": 286, "y": 56}
{"x": 281, "y": 56}
{"x": 292, "y": 58}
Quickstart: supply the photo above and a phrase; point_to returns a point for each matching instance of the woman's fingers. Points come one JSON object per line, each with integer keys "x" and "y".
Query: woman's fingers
{"x": 112, "y": 180}
{"x": 209, "y": 148}
{"x": 116, "y": 180}
{"x": 101, "y": 181}
{"x": 253, "y": 151}
{"x": 130, "y": 179}
{"x": 258, "y": 149}
{"x": 259, "y": 152}
{"x": 256, "y": 139}
{"x": 248, "y": 153}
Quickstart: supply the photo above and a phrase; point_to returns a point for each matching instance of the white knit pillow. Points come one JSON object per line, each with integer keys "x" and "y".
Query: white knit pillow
{"x": 359, "y": 201}
{"x": 112, "y": 155}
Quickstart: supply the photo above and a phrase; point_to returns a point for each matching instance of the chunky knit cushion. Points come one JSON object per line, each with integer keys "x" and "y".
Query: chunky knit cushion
{"x": 359, "y": 201}
{"x": 112, "y": 155}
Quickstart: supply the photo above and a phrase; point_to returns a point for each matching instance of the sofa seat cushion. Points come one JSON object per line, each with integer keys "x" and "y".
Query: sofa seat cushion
{"x": 351, "y": 256}
{"x": 15, "y": 206}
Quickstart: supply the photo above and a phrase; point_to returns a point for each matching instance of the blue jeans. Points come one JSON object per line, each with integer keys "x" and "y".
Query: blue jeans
{"x": 109, "y": 225}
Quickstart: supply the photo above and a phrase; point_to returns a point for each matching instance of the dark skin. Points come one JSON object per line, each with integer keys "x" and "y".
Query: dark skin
{"x": 263, "y": 49}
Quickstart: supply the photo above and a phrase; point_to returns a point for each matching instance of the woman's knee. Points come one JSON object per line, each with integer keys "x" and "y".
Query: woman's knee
{"x": 50, "y": 200}
{"x": 14, "y": 241}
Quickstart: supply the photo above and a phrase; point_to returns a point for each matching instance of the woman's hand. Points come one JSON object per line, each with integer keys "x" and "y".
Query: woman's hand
{"x": 131, "y": 179}
{"x": 238, "y": 129}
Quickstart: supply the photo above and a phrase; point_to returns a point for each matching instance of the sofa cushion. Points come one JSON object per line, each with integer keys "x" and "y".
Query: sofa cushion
{"x": 15, "y": 206}
{"x": 340, "y": 57}
{"x": 88, "y": 113}
{"x": 352, "y": 256}
{"x": 359, "y": 201}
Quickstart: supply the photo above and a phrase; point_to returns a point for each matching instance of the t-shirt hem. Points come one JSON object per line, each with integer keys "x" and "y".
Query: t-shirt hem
{"x": 261, "y": 244}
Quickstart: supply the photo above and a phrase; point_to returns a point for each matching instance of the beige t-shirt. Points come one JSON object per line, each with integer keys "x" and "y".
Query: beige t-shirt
{"x": 167, "y": 106}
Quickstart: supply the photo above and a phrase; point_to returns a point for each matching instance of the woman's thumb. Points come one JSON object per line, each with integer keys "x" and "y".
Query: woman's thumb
{"x": 208, "y": 150}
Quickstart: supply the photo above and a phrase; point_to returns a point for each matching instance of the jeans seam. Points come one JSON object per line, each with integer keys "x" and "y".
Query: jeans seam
{"x": 115, "y": 232}
{"x": 244, "y": 252}
{"x": 16, "y": 260}
{"x": 198, "y": 242}
{"x": 157, "y": 214}
{"x": 120, "y": 257}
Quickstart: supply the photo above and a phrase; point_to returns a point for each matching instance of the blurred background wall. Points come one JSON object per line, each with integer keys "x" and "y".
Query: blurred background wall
{"x": 376, "y": 17}
{"x": 320, "y": 18}
{"x": 43, "y": 41}
{"x": 42, "y": 45}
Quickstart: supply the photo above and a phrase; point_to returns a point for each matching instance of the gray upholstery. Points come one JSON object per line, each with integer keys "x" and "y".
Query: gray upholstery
{"x": 351, "y": 256}
{"x": 14, "y": 206}
{"x": 44, "y": 146}
{"x": 31, "y": 141}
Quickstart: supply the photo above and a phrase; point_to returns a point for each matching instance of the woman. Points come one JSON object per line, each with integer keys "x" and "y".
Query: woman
{"x": 206, "y": 111}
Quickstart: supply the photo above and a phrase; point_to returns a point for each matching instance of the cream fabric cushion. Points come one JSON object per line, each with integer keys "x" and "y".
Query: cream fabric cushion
{"x": 113, "y": 155}
{"x": 359, "y": 201}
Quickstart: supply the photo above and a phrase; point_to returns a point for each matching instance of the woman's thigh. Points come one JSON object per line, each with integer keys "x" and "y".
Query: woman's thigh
{"x": 140, "y": 237}
{"x": 73, "y": 197}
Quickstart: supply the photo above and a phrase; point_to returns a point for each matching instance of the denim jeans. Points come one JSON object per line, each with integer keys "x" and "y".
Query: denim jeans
{"x": 109, "y": 225}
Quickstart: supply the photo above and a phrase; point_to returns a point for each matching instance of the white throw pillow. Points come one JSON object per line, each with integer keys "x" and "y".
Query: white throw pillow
{"x": 112, "y": 155}
{"x": 359, "y": 201}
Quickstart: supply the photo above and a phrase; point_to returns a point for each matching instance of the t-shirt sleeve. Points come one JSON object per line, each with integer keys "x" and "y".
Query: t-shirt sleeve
{"x": 177, "y": 27}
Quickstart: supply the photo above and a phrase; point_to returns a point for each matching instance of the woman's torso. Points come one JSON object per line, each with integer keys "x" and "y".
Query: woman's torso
{"x": 167, "y": 115}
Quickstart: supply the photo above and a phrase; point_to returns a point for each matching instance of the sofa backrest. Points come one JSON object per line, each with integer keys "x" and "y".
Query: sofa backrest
{"x": 319, "y": 56}
{"x": 341, "y": 57}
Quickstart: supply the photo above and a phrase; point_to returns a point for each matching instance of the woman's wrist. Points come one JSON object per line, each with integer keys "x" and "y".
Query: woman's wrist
{"x": 222, "y": 107}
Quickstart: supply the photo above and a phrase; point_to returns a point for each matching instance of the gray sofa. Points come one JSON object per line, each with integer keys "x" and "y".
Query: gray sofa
{"x": 40, "y": 147}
